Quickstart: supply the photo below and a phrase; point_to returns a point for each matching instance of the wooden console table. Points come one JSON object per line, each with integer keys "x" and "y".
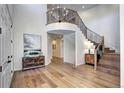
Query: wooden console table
{"x": 89, "y": 58}
{"x": 33, "y": 62}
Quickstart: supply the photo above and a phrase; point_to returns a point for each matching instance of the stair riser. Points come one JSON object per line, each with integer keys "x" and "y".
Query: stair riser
{"x": 108, "y": 50}
{"x": 108, "y": 58}
{"x": 112, "y": 51}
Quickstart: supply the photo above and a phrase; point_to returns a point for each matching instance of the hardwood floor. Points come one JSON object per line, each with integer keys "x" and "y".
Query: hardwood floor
{"x": 63, "y": 75}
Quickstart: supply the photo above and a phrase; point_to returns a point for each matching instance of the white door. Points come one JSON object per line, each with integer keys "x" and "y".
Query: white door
{"x": 5, "y": 38}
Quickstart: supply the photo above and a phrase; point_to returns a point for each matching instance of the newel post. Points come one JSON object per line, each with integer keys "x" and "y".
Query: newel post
{"x": 103, "y": 47}
{"x": 95, "y": 60}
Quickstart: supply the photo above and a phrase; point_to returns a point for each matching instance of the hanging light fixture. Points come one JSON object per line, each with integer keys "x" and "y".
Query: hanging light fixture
{"x": 52, "y": 8}
{"x": 58, "y": 5}
{"x": 51, "y": 12}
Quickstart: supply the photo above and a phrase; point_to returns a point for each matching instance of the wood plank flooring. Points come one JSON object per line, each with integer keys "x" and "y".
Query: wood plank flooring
{"x": 63, "y": 75}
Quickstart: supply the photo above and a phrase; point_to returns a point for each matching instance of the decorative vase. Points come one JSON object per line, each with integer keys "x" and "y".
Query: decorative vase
{"x": 89, "y": 51}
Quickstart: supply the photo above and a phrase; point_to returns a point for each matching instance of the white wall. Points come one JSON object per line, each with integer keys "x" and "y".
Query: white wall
{"x": 49, "y": 45}
{"x": 122, "y": 43}
{"x": 28, "y": 19}
{"x": 62, "y": 48}
{"x": 69, "y": 48}
{"x": 104, "y": 20}
{"x": 80, "y": 48}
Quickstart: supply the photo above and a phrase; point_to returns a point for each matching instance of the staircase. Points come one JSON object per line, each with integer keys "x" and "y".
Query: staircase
{"x": 58, "y": 15}
{"x": 110, "y": 63}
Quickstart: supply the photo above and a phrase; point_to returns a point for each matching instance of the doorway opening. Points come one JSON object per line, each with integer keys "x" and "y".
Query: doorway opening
{"x": 62, "y": 47}
{"x": 55, "y": 48}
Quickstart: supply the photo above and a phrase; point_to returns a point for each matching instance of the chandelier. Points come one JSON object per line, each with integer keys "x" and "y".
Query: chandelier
{"x": 58, "y": 12}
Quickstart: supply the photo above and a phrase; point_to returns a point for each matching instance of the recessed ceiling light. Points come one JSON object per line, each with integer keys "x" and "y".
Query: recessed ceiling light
{"x": 83, "y": 6}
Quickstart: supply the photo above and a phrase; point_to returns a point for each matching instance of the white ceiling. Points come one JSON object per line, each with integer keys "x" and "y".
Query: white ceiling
{"x": 76, "y": 7}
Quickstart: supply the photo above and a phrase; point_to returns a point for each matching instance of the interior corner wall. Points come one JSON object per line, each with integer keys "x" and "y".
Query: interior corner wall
{"x": 122, "y": 44}
{"x": 49, "y": 45}
{"x": 80, "y": 48}
{"x": 29, "y": 19}
{"x": 61, "y": 49}
{"x": 104, "y": 19}
{"x": 69, "y": 48}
